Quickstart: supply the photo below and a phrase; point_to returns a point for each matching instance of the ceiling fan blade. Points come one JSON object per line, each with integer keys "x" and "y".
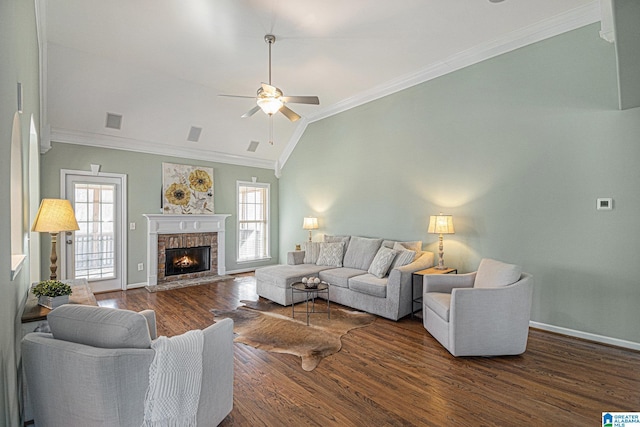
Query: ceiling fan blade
{"x": 269, "y": 90}
{"x": 237, "y": 96}
{"x": 302, "y": 99}
{"x": 251, "y": 112}
{"x": 291, "y": 115}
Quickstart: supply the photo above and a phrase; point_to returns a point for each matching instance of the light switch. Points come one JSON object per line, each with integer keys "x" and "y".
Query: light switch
{"x": 132, "y": 226}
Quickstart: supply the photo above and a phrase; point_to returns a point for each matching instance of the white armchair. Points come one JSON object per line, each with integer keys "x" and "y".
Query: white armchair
{"x": 484, "y": 313}
{"x": 93, "y": 369}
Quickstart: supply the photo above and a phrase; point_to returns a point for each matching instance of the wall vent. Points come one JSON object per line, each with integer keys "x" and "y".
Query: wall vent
{"x": 253, "y": 146}
{"x": 194, "y": 134}
{"x": 114, "y": 121}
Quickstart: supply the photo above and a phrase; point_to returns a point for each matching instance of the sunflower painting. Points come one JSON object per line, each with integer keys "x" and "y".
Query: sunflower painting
{"x": 187, "y": 189}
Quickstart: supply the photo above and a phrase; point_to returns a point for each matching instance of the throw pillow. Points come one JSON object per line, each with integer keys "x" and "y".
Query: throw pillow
{"x": 331, "y": 254}
{"x": 415, "y": 246}
{"x": 311, "y": 252}
{"x": 360, "y": 252}
{"x": 403, "y": 256}
{"x": 382, "y": 261}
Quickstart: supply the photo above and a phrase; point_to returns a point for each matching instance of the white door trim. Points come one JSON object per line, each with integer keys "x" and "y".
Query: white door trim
{"x": 122, "y": 256}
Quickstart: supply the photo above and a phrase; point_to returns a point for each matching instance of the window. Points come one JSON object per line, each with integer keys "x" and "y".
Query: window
{"x": 253, "y": 221}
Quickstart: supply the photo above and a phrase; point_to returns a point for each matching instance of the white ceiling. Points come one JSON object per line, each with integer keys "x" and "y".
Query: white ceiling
{"x": 161, "y": 64}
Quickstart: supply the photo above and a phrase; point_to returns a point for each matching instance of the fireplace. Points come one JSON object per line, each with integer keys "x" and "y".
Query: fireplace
{"x": 167, "y": 233}
{"x": 187, "y": 260}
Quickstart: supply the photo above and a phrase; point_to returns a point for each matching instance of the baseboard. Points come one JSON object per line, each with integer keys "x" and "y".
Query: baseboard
{"x": 586, "y": 335}
{"x": 136, "y": 285}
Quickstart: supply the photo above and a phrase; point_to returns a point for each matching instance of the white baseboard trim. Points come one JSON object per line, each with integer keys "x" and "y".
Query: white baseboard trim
{"x": 136, "y": 285}
{"x": 586, "y": 335}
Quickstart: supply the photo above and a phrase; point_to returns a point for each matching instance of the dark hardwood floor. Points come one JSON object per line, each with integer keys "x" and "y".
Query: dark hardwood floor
{"x": 396, "y": 374}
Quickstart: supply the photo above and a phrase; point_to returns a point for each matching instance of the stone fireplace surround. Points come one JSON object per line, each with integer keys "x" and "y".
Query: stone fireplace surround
{"x": 192, "y": 229}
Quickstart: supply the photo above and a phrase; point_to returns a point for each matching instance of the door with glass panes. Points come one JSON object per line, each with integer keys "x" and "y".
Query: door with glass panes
{"x": 95, "y": 251}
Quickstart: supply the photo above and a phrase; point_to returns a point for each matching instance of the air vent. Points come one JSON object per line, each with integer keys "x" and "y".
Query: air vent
{"x": 194, "y": 134}
{"x": 114, "y": 121}
{"x": 253, "y": 146}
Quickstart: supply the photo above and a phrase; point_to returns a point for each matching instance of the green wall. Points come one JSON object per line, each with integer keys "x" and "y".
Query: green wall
{"x": 518, "y": 148}
{"x": 144, "y": 179}
{"x": 18, "y": 63}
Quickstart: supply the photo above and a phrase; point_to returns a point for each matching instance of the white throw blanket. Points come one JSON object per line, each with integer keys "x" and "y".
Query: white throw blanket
{"x": 175, "y": 378}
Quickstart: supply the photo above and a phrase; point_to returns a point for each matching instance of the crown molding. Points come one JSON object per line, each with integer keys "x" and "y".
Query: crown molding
{"x": 129, "y": 144}
{"x": 559, "y": 24}
{"x": 293, "y": 141}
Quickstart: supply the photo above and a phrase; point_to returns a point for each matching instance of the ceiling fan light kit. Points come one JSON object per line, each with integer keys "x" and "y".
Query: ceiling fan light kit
{"x": 271, "y": 99}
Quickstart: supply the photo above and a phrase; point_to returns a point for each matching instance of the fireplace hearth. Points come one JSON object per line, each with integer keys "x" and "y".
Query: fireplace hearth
{"x": 187, "y": 260}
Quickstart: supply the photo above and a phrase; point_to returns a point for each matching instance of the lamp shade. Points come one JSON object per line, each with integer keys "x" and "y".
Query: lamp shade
{"x": 441, "y": 224}
{"x": 55, "y": 215}
{"x": 310, "y": 223}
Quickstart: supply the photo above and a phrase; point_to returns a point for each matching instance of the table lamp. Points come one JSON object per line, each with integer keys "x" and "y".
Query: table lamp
{"x": 53, "y": 217}
{"x": 441, "y": 224}
{"x": 310, "y": 223}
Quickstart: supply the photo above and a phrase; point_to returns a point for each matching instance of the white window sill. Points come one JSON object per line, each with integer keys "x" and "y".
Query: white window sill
{"x": 246, "y": 261}
{"x": 17, "y": 261}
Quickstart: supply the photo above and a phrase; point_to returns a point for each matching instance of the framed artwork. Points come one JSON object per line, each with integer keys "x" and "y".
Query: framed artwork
{"x": 186, "y": 189}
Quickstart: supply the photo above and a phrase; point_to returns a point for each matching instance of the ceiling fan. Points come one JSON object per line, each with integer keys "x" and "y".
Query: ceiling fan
{"x": 271, "y": 99}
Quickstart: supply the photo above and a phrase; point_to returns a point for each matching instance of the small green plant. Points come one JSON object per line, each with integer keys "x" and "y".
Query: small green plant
{"x": 51, "y": 288}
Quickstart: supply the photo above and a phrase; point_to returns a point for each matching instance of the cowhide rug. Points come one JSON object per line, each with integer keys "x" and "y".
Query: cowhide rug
{"x": 269, "y": 326}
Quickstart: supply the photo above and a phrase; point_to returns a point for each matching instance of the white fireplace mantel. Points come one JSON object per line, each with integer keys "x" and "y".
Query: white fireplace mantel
{"x": 180, "y": 224}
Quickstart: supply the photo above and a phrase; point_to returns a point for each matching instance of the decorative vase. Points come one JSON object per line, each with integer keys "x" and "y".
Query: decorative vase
{"x": 52, "y": 302}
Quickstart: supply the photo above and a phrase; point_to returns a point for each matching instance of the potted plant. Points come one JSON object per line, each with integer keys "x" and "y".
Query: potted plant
{"x": 52, "y": 293}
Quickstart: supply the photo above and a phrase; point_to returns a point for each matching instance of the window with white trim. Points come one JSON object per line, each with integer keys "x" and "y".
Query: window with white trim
{"x": 253, "y": 221}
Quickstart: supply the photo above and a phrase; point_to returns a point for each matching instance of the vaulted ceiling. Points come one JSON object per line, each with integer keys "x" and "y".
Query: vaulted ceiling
{"x": 161, "y": 65}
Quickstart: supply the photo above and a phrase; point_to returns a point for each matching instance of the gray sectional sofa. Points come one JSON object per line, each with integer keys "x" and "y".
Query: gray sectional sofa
{"x": 372, "y": 275}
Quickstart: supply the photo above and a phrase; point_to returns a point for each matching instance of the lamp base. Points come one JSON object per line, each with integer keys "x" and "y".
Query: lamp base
{"x": 54, "y": 257}
{"x": 440, "y": 267}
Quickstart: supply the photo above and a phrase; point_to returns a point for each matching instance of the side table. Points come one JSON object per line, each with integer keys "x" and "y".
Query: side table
{"x": 417, "y": 278}
{"x": 310, "y": 294}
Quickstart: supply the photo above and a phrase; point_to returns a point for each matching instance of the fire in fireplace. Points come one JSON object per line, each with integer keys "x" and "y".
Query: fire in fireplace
{"x": 187, "y": 260}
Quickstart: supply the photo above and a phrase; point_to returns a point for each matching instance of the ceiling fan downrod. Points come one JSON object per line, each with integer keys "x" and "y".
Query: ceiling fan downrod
{"x": 270, "y": 39}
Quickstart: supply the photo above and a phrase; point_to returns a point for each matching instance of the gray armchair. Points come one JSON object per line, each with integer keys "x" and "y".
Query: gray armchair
{"x": 93, "y": 369}
{"x": 485, "y": 313}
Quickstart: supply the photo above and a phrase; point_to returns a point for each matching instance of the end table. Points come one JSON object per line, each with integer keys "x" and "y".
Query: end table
{"x": 417, "y": 278}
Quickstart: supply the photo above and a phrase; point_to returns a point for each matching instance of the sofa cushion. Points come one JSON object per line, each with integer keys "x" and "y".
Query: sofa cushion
{"x": 403, "y": 257}
{"x": 388, "y": 244}
{"x": 339, "y": 276}
{"x": 333, "y": 239}
{"x": 370, "y": 285}
{"x": 361, "y": 252}
{"x": 439, "y": 303}
{"x": 101, "y": 327}
{"x": 282, "y": 276}
{"x": 311, "y": 252}
{"x": 415, "y": 245}
{"x": 496, "y": 274}
{"x": 382, "y": 261}
{"x": 331, "y": 254}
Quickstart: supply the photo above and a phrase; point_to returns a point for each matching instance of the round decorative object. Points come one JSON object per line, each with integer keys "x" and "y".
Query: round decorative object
{"x": 316, "y": 280}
